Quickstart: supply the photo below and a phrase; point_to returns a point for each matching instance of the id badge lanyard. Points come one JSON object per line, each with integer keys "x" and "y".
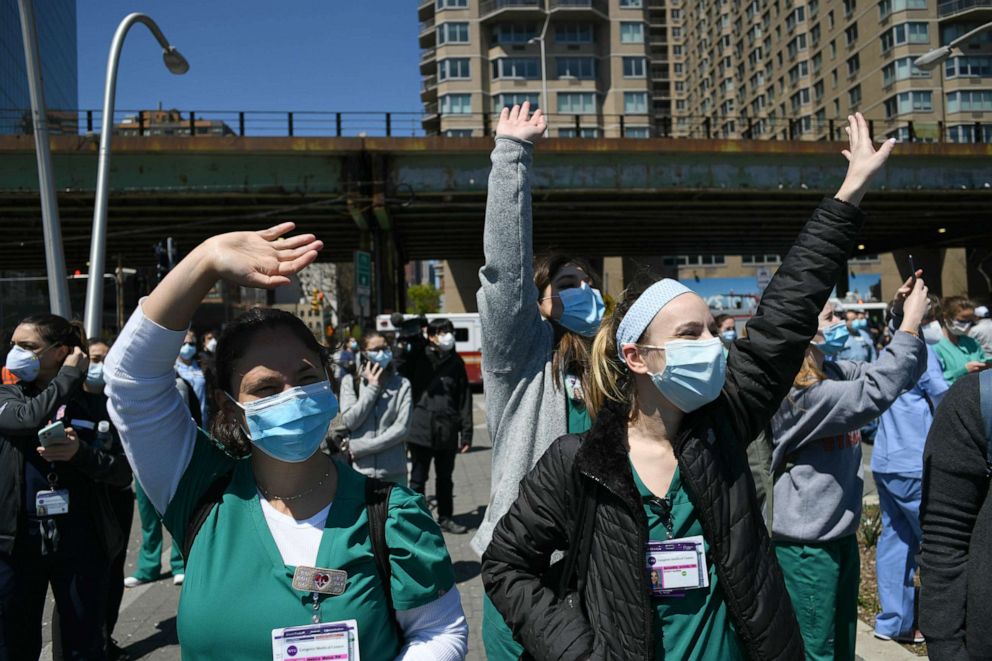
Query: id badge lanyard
{"x": 663, "y": 507}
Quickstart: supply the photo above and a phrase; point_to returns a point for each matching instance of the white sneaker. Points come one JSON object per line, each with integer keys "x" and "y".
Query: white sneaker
{"x": 177, "y": 579}
{"x": 133, "y": 582}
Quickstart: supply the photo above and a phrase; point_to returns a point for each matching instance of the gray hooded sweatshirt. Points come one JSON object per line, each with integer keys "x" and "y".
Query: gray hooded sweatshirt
{"x": 816, "y": 458}
{"x": 378, "y": 419}
{"x": 525, "y": 410}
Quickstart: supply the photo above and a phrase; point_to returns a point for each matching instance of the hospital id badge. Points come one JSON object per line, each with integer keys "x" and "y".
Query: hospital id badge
{"x": 676, "y": 565}
{"x": 51, "y": 502}
{"x": 316, "y": 642}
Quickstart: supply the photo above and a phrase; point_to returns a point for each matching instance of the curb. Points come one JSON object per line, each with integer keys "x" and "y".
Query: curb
{"x": 873, "y": 649}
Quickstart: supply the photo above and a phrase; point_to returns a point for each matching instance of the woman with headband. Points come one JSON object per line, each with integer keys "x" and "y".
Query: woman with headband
{"x": 661, "y": 481}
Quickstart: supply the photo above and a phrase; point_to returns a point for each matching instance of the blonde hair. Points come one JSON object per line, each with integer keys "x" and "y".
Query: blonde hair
{"x": 610, "y": 378}
{"x": 809, "y": 374}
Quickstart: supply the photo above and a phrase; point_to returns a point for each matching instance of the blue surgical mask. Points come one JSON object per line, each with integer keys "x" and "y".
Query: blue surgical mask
{"x": 381, "y": 358}
{"x": 728, "y": 336}
{"x": 859, "y": 324}
{"x": 695, "y": 371}
{"x": 188, "y": 351}
{"x": 24, "y": 363}
{"x": 94, "y": 375}
{"x": 290, "y": 425}
{"x": 583, "y": 309}
{"x": 834, "y": 338}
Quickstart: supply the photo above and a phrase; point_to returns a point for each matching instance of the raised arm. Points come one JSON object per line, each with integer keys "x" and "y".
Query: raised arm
{"x": 762, "y": 365}
{"x": 20, "y": 417}
{"x": 512, "y": 327}
{"x": 155, "y": 426}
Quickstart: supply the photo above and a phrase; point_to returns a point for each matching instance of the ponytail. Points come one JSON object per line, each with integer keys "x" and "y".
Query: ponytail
{"x": 609, "y": 376}
{"x": 58, "y": 330}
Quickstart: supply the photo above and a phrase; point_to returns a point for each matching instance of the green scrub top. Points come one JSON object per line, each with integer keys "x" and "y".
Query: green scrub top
{"x": 237, "y": 589}
{"x": 697, "y": 625}
{"x": 953, "y": 359}
{"x": 579, "y": 420}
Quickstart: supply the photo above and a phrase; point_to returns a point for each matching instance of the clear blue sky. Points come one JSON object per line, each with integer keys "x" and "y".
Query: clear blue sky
{"x": 324, "y": 55}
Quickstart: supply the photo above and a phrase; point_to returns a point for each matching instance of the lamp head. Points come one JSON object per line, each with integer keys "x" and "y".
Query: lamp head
{"x": 933, "y": 59}
{"x": 174, "y": 61}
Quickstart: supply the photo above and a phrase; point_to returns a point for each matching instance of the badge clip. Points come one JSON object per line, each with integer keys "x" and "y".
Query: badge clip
{"x": 317, "y": 579}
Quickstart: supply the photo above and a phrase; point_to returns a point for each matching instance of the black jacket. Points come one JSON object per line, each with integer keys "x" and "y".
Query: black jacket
{"x": 613, "y": 617}
{"x": 23, "y": 411}
{"x": 444, "y": 409}
{"x": 956, "y": 517}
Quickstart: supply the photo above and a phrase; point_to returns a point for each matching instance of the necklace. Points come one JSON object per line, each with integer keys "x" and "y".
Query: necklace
{"x": 271, "y": 496}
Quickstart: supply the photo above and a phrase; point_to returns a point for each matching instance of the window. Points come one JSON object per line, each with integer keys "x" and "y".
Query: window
{"x": 851, "y": 34}
{"x": 799, "y": 70}
{"x": 452, "y": 33}
{"x": 678, "y": 68}
{"x": 849, "y": 6}
{"x": 458, "y": 133}
{"x": 912, "y": 33}
{"x": 966, "y": 133}
{"x": 510, "y": 100}
{"x": 634, "y": 67}
{"x": 636, "y": 132}
{"x": 573, "y": 33}
{"x": 833, "y": 49}
{"x": 583, "y": 68}
{"x": 514, "y": 33}
{"x": 854, "y": 96}
{"x": 633, "y": 33}
{"x": 577, "y": 103}
{"x": 452, "y": 4}
{"x": 798, "y": 15}
{"x": 456, "y": 104}
{"x": 635, "y": 4}
{"x": 853, "y": 64}
{"x": 967, "y": 67}
{"x": 676, "y": 34}
{"x": 886, "y": 7}
{"x": 902, "y": 69}
{"x": 527, "y": 68}
{"x": 677, "y": 51}
{"x": 914, "y": 101}
{"x": 453, "y": 68}
{"x": 969, "y": 101}
{"x": 830, "y": 20}
{"x": 818, "y": 91}
{"x": 694, "y": 260}
{"x": 799, "y": 99}
{"x": 797, "y": 44}
{"x": 761, "y": 260}
{"x": 590, "y": 132}
{"x": 635, "y": 103}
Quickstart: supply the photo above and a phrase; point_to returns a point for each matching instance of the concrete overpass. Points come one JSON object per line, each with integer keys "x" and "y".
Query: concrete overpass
{"x": 423, "y": 198}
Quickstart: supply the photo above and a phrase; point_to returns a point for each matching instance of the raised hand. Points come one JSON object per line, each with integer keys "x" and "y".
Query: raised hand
{"x": 914, "y": 308}
{"x": 864, "y": 161}
{"x": 261, "y": 259}
{"x": 372, "y": 373}
{"x": 903, "y": 292}
{"x": 517, "y": 122}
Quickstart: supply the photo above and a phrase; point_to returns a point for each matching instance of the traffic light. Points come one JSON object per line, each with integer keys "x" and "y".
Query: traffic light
{"x": 316, "y": 300}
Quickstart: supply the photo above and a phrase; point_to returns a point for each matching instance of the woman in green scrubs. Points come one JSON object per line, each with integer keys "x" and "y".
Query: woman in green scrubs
{"x": 280, "y": 559}
{"x": 958, "y": 353}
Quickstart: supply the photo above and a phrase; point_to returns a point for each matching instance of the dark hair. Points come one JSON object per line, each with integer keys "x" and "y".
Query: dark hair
{"x": 720, "y": 318}
{"x": 56, "y": 330}
{"x": 232, "y": 344}
{"x": 571, "y": 353}
{"x": 953, "y": 305}
{"x": 440, "y": 325}
{"x": 370, "y": 335}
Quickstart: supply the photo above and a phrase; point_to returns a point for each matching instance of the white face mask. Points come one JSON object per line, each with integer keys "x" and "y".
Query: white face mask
{"x": 446, "y": 341}
{"x": 959, "y": 327}
{"x": 932, "y": 333}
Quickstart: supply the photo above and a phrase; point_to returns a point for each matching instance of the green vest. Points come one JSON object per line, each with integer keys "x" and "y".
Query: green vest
{"x": 237, "y": 589}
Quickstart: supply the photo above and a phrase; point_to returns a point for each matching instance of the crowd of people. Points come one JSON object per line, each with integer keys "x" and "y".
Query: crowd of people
{"x": 664, "y": 483}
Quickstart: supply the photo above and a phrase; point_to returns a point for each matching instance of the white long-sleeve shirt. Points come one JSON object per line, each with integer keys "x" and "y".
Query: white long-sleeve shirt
{"x": 159, "y": 436}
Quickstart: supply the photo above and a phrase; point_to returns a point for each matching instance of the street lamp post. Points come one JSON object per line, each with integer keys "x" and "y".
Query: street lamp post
{"x": 176, "y": 64}
{"x": 58, "y": 288}
{"x": 544, "y": 76}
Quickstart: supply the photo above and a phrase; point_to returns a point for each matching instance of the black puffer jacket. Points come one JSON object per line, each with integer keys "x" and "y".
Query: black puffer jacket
{"x": 443, "y": 413}
{"x": 611, "y": 618}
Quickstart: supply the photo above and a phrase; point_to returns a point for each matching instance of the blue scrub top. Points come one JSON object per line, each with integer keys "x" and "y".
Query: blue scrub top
{"x": 860, "y": 347}
{"x": 902, "y": 430}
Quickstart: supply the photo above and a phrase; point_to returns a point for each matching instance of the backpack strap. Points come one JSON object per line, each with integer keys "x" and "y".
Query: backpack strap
{"x": 211, "y": 497}
{"x": 985, "y": 393}
{"x": 377, "y": 503}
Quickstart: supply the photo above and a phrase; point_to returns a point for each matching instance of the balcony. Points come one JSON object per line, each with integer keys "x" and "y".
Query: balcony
{"x": 577, "y": 7}
{"x": 974, "y": 8}
{"x": 510, "y": 8}
{"x": 428, "y": 60}
{"x": 428, "y": 89}
{"x": 427, "y": 34}
{"x": 425, "y": 9}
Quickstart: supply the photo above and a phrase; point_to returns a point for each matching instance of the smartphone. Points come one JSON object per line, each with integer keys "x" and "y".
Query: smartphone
{"x": 53, "y": 434}
{"x": 912, "y": 271}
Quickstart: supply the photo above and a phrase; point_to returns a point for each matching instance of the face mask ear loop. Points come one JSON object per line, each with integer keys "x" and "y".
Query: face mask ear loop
{"x": 242, "y": 408}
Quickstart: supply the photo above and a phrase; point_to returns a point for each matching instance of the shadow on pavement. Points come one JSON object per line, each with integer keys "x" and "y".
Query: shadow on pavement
{"x": 166, "y": 635}
{"x": 471, "y": 520}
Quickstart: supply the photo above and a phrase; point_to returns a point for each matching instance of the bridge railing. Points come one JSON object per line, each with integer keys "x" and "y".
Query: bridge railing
{"x": 434, "y": 121}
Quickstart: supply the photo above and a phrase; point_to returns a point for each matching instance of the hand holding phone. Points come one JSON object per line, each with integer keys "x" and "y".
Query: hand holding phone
{"x": 53, "y": 434}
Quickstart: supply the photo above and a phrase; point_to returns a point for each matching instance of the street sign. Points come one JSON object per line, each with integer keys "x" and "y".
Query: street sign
{"x": 764, "y": 276}
{"x": 363, "y": 273}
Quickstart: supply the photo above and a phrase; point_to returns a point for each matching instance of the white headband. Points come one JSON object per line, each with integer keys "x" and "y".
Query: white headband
{"x": 646, "y": 308}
